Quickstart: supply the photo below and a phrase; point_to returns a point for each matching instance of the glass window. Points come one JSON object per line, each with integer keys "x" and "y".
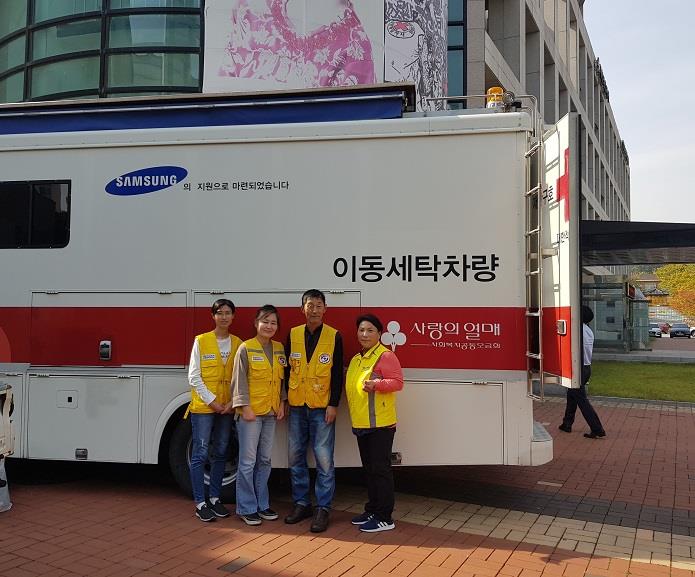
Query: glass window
{"x": 48, "y": 9}
{"x": 167, "y": 69}
{"x": 456, "y": 10}
{"x": 12, "y": 88}
{"x": 116, "y": 4}
{"x": 455, "y": 82}
{"x": 455, "y": 35}
{"x": 65, "y": 76}
{"x": 154, "y": 30}
{"x": 34, "y": 214}
{"x": 12, "y": 54}
{"x": 66, "y": 38}
{"x": 13, "y": 16}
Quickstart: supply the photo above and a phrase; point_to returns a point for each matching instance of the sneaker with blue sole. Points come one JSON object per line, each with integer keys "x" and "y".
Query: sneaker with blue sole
{"x": 375, "y": 525}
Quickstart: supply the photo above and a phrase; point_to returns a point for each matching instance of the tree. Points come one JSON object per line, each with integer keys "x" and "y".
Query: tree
{"x": 676, "y": 277}
{"x": 684, "y": 302}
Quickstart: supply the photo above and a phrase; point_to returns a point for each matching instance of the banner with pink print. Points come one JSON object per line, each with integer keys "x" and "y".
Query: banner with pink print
{"x": 283, "y": 44}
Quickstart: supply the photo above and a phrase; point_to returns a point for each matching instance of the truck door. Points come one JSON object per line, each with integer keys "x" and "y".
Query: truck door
{"x": 560, "y": 213}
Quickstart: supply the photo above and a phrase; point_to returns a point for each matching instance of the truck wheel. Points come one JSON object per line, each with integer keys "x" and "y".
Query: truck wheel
{"x": 180, "y": 462}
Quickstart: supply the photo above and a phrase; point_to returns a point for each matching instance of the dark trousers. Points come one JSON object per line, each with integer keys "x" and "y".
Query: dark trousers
{"x": 577, "y": 398}
{"x": 375, "y": 452}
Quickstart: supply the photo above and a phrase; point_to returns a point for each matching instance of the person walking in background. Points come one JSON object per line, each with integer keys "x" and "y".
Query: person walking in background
{"x": 210, "y": 375}
{"x": 257, "y": 396}
{"x": 373, "y": 378}
{"x": 577, "y": 397}
{"x": 315, "y": 381}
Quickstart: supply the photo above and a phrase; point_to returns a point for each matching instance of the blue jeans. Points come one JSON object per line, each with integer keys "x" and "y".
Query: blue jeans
{"x": 308, "y": 426}
{"x": 255, "y": 450}
{"x": 204, "y": 426}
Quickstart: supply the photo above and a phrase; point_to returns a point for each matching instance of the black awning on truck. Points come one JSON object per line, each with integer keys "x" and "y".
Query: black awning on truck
{"x": 370, "y": 102}
{"x": 606, "y": 242}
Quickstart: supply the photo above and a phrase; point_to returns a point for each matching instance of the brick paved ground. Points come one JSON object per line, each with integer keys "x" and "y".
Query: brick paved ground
{"x": 614, "y": 507}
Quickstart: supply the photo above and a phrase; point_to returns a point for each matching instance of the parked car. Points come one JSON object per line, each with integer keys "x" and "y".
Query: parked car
{"x": 680, "y": 330}
{"x": 692, "y": 332}
{"x": 654, "y": 330}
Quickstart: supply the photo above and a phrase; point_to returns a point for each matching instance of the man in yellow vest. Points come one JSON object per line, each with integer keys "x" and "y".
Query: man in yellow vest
{"x": 315, "y": 382}
{"x": 210, "y": 376}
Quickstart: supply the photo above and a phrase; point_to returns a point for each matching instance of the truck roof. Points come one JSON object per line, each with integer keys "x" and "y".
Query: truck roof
{"x": 371, "y": 102}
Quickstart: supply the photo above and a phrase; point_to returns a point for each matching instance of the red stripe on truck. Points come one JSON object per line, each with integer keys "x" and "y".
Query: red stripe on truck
{"x": 422, "y": 337}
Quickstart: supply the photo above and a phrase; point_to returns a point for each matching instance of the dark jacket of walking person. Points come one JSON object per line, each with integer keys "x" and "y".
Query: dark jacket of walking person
{"x": 373, "y": 378}
{"x": 577, "y": 397}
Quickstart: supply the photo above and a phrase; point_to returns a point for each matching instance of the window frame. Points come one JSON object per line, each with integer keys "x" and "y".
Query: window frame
{"x": 31, "y": 214}
{"x": 104, "y": 14}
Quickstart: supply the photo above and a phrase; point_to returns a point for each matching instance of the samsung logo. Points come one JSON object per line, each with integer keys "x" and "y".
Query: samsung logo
{"x": 146, "y": 180}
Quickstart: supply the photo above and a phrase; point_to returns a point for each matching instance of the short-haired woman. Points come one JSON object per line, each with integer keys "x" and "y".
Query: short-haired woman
{"x": 373, "y": 378}
{"x": 210, "y": 374}
{"x": 258, "y": 397}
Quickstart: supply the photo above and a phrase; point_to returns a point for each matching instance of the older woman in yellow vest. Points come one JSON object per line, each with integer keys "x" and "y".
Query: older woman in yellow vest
{"x": 210, "y": 375}
{"x": 258, "y": 397}
{"x": 373, "y": 378}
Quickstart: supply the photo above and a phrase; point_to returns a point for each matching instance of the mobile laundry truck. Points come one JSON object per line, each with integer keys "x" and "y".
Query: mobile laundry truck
{"x": 122, "y": 221}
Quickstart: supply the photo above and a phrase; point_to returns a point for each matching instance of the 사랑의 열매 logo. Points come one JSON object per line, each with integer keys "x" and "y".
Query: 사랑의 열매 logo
{"x": 146, "y": 180}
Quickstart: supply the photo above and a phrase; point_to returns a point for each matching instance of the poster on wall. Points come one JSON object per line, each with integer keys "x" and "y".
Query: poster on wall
{"x": 283, "y": 44}
{"x": 415, "y": 46}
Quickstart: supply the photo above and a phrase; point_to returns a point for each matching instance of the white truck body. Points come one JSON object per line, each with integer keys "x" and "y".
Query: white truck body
{"x": 419, "y": 219}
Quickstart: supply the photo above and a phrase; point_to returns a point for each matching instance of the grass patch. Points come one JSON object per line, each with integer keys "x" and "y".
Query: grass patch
{"x": 653, "y": 381}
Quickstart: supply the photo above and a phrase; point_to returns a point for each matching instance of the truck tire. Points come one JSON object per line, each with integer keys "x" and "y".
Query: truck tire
{"x": 180, "y": 462}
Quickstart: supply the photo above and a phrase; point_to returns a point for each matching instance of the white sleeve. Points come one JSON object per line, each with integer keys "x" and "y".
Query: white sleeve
{"x": 194, "y": 377}
{"x": 588, "y": 336}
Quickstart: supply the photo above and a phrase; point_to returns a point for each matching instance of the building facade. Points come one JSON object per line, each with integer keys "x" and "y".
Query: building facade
{"x": 54, "y": 49}
{"x": 541, "y": 47}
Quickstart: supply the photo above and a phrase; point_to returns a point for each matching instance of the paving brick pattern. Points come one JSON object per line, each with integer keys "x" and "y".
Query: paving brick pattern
{"x": 107, "y": 528}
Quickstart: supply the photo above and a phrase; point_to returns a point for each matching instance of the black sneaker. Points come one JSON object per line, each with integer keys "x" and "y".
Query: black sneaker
{"x": 374, "y": 525}
{"x": 218, "y": 509}
{"x": 268, "y": 515}
{"x": 565, "y": 428}
{"x": 251, "y": 519}
{"x": 204, "y": 513}
{"x": 362, "y": 518}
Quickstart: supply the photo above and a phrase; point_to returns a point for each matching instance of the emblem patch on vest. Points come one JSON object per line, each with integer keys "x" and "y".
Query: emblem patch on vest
{"x": 257, "y": 358}
{"x": 325, "y": 358}
{"x": 282, "y": 360}
{"x": 210, "y": 357}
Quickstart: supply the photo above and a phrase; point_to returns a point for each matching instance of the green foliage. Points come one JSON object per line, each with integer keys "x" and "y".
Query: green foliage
{"x": 654, "y": 381}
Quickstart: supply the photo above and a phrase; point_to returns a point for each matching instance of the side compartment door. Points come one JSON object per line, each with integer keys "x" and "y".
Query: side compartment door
{"x": 560, "y": 213}
{"x": 83, "y": 417}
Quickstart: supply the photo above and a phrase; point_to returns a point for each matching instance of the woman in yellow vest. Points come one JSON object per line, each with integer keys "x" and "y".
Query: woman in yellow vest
{"x": 210, "y": 374}
{"x": 373, "y": 378}
{"x": 257, "y": 396}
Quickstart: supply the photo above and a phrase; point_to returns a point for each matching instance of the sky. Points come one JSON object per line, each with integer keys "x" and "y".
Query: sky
{"x": 645, "y": 49}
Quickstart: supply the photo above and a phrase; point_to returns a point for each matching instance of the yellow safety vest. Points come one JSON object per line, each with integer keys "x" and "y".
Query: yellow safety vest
{"x": 368, "y": 410}
{"x": 265, "y": 380}
{"x": 310, "y": 383}
{"x": 216, "y": 375}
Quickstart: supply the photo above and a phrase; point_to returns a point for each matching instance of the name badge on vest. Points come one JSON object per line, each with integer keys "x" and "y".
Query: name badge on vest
{"x": 210, "y": 357}
{"x": 325, "y": 358}
{"x": 295, "y": 355}
{"x": 257, "y": 358}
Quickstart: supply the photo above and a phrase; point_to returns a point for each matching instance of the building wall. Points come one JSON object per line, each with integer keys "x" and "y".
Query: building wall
{"x": 103, "y": 48}
{"x": 98, "y": 48}
{"x": 542, "y": 47}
